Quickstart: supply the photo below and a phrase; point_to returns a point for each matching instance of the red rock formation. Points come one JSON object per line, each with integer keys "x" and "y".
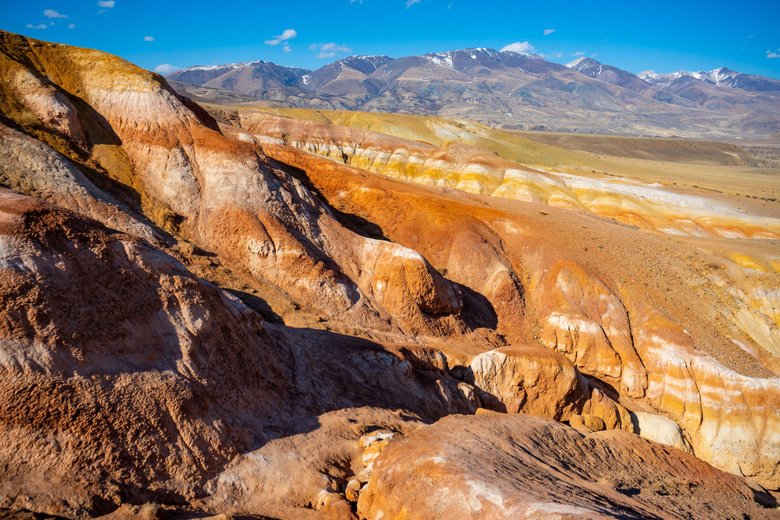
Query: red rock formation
{"x": 118, "y": 367}
{"x": 474, "y": 170}
{"x": 537, "y": 381}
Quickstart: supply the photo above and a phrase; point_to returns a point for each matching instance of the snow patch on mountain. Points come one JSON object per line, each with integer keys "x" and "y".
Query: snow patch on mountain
{"x": 444, "y": 60}
{"x": 720, "y": 77}
{"x": 577, "y": 62}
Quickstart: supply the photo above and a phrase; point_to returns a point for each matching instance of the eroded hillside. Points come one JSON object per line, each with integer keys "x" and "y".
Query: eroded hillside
{"x": 269, "y": 316}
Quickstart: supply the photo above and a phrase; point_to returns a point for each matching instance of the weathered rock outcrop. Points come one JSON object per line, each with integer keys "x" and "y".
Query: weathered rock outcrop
{"x": 500, "y": 466}
{"x": 222, "y": 194}
{"x": 119, "y": 378}
{"x": 125, "y": 378}
{"x": 597, "y": 314}
{"x": 654, "y": 357}
{"x": 31, "y": 167}
{"x": 537, "y": 381}
{"x": 660, "y": 429}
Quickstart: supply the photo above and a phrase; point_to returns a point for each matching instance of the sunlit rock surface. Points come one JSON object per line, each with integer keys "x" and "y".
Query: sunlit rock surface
{"x": 497, "y": 466}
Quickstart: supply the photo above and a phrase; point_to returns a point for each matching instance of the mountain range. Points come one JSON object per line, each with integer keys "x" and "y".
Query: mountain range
{"x": 515, "y": 91}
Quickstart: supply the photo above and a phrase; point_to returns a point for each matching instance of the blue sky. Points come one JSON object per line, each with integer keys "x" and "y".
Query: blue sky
{"x": 661, "y": 35}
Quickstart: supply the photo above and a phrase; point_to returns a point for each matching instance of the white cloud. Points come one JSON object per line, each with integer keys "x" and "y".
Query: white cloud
{"x": 519, "y": 47}
{"x": 71, "y": 26}
{"x": 410, "y": 3}
{"x": 287, "y": 47}
{"x": 773, "y": 55}
{"x": 548, "y": 32}
{"x": 108, "y": 4}
{"x": 578, "y": 53}
{"x": 39, "y": 26}
{"x": 51, "y": 13}
{"x": 557, "y": 55}
{"x": 165, "y": 68}
{"x": 148, "y": 38}
{"x": 287, "y": 34}
{"x": 328, "y": 50}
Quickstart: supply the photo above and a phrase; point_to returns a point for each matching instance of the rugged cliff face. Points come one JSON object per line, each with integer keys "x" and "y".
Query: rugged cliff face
{"x": 191, "y": 313}
{"x": 113, "y": 354}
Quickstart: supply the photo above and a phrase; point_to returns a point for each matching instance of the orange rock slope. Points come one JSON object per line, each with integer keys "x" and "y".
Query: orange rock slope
{"x": 597, "y": 293}
{"x": 468, "y": 168}
{"x": 190, "y": 317}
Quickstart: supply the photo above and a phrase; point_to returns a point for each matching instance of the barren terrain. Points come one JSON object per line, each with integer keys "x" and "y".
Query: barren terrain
{"x": 286, "y": 313}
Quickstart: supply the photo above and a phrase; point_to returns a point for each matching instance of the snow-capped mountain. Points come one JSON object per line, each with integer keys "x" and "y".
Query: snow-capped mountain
{"x": 366, "y": 64}
{"x": 350, "y": 68}
{"x": 720, "y": 77}
{"x": 479, "y": 56}
{"x": 253, "y": 78}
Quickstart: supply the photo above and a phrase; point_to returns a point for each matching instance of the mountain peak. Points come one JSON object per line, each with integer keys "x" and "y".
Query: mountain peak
{"x": 582, "y": 60}
{"x": 472, "y": 52}
{"x": 359, "y": 81}
{"x": 589, "y": 66}
{"x": 608, "y": 73}
{"x": 367, "y": 57}
{"x": 365, "y": 64}
{"x": 223, "y": 66}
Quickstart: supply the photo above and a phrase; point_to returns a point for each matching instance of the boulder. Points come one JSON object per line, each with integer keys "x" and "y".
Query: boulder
{"x": 534, "y": 380}
{"x": 660, "y": 429}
